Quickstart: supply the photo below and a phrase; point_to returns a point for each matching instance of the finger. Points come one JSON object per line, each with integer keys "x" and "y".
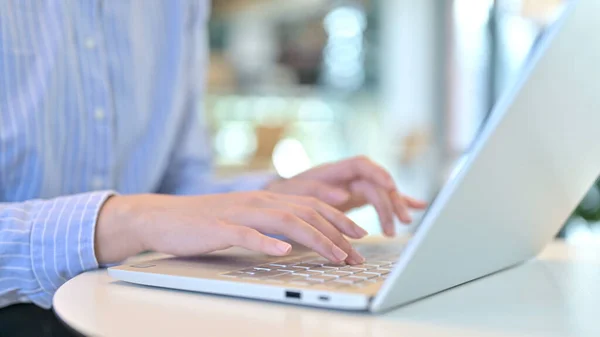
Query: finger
{"x": 401, "y": 208}
{"x": 352, "y": 169}
{"x": 308, "y": 187}
{"x": 326, "y": 193}
{"x": 356, "y": 200}
{"x": 333, "y": 216}
{"x": 281, "y": 222}
{"x": 315, "y": 219}
{"x": 301, "y": 231}
{"x": 253, "y": 240}
{"x": 337, "y": 223}
{"x": 414, "y": 203}
{"x": 363, "y": 168}
{"x": 380, "y": 199}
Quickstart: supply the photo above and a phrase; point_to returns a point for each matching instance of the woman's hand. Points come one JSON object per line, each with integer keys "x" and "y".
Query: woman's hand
{"x": 352, "y": 183}
{"x": 186, "y": 226}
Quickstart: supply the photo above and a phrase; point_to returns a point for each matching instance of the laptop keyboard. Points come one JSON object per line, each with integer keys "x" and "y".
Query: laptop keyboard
{"x": 314, "y": 270}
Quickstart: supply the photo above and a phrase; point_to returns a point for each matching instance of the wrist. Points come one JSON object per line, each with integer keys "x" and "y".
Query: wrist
{"x": 117, "y": 235}
{"x": 273, "y": 184}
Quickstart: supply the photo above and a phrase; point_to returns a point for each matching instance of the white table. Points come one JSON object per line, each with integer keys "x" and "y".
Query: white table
{"x": 557, "y": 294}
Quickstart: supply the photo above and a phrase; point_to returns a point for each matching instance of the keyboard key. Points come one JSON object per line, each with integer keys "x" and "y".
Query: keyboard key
{"x": 364, "y": 266}
{"x": 378, "y": 271}
{"x": 314, "y": 281}
{"x": 277, "y": 264}
{"x": 271, "y": 273}
{"x": 322, "y": 269}
{"x": 306, "y": 282}
{"x": 370, "y": 265}
{"x": 338, "y": 273}
{"x": 303, "y": 265}
{"x": 263, "y": 267}
{"x": 361, "y": 284}
{"x": 352, "y": 269}
{"x": 346, "y": 282}
{"x": 365, "y": 275}
{"x": 379, "y": 263}
{"x": 272, "y": 280}
{"x": 263, "y": 272}
{"x": 323, "y": 278}
{"x": 334, "y": 265}
{"x": 349, "y": 280}
{"x": 306, "y": 272}
{"x": 288, "y": 277}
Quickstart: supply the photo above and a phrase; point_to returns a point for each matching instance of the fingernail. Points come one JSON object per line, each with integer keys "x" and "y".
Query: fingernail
{"x": 360, "y": 232}
{"x": 339, "y": 253}
{"x": 283, "y": 247}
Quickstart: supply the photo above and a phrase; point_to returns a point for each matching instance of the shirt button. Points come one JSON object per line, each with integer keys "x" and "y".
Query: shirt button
{"x": 97, "y": 183}
{"x": 99, "y": 114}
{"x": 90, "y": 43}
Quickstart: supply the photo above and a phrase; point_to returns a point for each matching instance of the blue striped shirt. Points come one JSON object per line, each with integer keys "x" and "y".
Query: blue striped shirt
{"x": 96, "y": 97}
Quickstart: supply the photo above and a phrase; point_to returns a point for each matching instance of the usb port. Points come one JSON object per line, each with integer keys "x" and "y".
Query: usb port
{"x": 293, "y": 294}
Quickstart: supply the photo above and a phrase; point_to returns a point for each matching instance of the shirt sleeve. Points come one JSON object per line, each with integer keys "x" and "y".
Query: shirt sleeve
{"x": 190, "y": 171}
{"x": 44, "y": 243}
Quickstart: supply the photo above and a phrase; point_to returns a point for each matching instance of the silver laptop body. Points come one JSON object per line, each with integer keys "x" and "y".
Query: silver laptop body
{"x": 532, "y": 164}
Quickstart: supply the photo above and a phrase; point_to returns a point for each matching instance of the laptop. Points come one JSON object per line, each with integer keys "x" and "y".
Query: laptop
{"x": 531, "y": 165}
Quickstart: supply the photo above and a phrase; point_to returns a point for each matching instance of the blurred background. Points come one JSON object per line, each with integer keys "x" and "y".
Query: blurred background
{"x": 296, "y": 83}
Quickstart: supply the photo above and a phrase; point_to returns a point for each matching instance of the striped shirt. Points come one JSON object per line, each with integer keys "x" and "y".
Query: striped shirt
{"x": 96, "y": 97}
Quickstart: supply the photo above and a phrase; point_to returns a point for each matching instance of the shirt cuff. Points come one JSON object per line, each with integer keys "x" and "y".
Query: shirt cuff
{"x": 62, "y": 240}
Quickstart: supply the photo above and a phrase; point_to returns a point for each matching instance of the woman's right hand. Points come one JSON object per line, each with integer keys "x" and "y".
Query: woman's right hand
{"x": 185, "y": 226}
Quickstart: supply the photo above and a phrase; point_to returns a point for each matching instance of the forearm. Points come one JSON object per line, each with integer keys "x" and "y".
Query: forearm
{"x": 43, "y": 243}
